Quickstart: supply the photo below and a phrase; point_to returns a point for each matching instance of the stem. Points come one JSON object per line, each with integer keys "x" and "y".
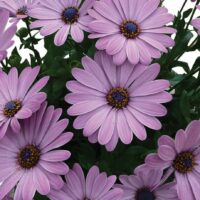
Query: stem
{"x": 183, "y": 6}
{"x": 187, "y": 77}
{"x": 193, "y": 12}
{"x": 37, "y": 55}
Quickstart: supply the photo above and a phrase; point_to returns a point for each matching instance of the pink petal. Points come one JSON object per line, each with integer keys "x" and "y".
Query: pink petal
{"x": 76, "y": 33}
{"x": 166, "y": 153}
{"x": 23, "y": 113}
{"x": 41, "y": 181}
{"x": 107, "y": 128}
{"x": 61, "y": 35}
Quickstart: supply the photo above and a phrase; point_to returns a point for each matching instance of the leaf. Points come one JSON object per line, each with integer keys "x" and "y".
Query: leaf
{"x": 40, "y": 197}
{"x": 185, "y": 106}
{"x": 196, "y": 64}
{"x": 187, "y": 13}
{"x": 182, "y": 64}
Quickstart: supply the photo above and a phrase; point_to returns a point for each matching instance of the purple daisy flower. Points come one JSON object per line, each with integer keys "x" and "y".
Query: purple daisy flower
{"x": 32, "y": 164}
{"x": 62, "y": 17}
{"x": 133, "y": 30}
{"x": 196, "y": 22}
{"x": 19, "y": 8}
{"x": 5, "y": 35}
{"x": 114, "y": 102}
{"x": 181, "y": 155}
{"x": 96, "y": 186}
{"x": 20, "y": 98}
{"x": 146, "y": 184}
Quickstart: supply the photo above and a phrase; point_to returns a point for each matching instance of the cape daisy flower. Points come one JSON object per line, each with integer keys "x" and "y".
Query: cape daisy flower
{"x": 19, "y": 8}
{"x": 196, "y": 22}
{"x": 28, "y": 160}
{"x": 131, "y": 30}
{"x": 6, "y": 35}
{"x": 96, "y": 186}
{"x": 114, "y": 102}
{"x": 181, "y": 155}
{"x": 146, "y": 184}
{"x": 20, "y": 97}
{"x": 63, "y": 18}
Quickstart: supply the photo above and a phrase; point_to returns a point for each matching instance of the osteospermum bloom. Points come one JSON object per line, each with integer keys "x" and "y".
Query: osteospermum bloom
{"x": 62, "y": 17}
{"x": 116, "y": 101}
{"x": 133, "y": 30}
{"x": 182, "y": 155}
{"x": 6, "y": 35}
{"x": 29, "y": 161}
{"x": 20, "y": 97}
{"x": 146, "y": 184}
{"x": 196, "y": 22}
{"x": 96, "y": 186}
{"x": 19, "y": 8}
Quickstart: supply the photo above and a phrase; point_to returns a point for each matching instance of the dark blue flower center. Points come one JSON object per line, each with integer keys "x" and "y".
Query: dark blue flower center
{"x": 10, "y": 105}
{"x": 144, "y": 194}
{"x": 11, "y": 108}
{"x": 22, "y": 11}
{"x": 28, "y": 156}
{"x": 130, "y": 29}
{"x": 187, "y": 163}
{"x": 118, "y": 98}
{"x": 70, "y": 15}
{"x": 184, "y": 162}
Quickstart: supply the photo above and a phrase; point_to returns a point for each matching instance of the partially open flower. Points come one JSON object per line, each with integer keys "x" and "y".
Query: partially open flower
{"x": 19, "y": 8}
{"x": 95, "y": 186}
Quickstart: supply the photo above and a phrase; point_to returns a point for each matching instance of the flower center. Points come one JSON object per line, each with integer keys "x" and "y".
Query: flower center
{"x": 118, "y": 98}
{"x": 145, "y": 194}
{"x": 70, "y": 15}
{"x": 22, "y": 11}
{"x": 11, "y": 108}
{"x": 130, "y": 29}
{"x": 184, "y": 162}
{"x": 29, "y": 156}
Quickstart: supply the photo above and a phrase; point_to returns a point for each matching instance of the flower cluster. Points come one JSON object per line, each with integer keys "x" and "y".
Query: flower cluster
{"x": 118, "y": 93}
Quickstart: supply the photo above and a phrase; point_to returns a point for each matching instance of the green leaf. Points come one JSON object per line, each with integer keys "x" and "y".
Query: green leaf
{"x": 187, "y": 13}
{"x": 182, "y": 64}
{"x": 40, "y": 197}
{"x": 196, "y": 64}
{"x": 185, "y": 106}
